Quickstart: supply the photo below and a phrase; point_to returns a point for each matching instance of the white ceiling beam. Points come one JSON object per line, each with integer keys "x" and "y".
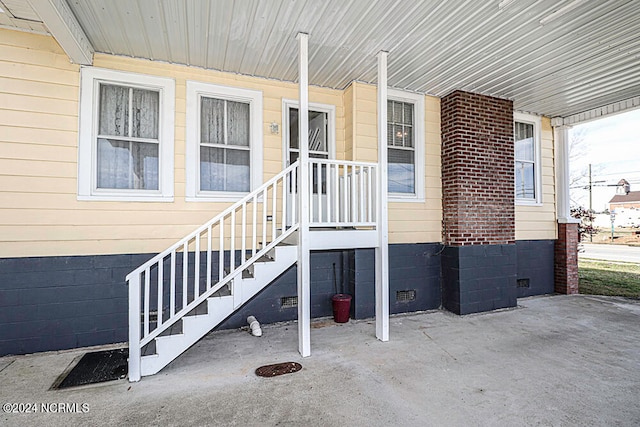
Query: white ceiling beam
{"x": 64, "y": 27}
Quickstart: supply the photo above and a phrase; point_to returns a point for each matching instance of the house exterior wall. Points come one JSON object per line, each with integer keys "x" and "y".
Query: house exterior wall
{"x": 539, "y": 221}
{"x": 411, "y": 221}
{"x": 63, "y": 261}
{"x": 41, "y": 214}
{"x": 38, "y": 205}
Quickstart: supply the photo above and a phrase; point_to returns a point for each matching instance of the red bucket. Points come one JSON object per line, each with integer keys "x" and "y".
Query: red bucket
{"x": 341, "y": 307}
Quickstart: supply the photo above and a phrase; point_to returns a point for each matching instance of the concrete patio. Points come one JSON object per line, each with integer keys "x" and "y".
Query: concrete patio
{"x": 555, "y": 360}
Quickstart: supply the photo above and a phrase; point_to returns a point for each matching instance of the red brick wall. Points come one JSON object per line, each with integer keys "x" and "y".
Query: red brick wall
{"x": 477, "y": 170}
{"x": 566, "y": 259}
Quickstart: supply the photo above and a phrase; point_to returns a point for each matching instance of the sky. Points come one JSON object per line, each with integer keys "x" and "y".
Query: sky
{"x": 612, "y": 146}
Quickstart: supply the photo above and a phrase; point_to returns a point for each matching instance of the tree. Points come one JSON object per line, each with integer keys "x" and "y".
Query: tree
{"x": 585, "y": 227}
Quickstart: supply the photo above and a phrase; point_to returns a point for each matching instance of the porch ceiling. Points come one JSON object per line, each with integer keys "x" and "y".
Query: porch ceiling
{"x": 548, "y": 63}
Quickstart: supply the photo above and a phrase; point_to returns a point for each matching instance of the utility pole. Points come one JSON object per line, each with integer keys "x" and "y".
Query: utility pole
{"x": 590, "y": 204}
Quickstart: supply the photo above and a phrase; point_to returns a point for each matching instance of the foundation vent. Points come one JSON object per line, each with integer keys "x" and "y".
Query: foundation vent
{"x": 523, "y": 283}
{"x": 289, "y": 302}
{"x": 406, "y": 296}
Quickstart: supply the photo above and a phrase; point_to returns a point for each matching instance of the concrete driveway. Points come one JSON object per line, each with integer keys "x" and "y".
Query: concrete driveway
{"x": 557, "y": 361}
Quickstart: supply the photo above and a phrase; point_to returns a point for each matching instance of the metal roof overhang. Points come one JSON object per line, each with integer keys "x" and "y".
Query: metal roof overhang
{"x": 556, "y": 58}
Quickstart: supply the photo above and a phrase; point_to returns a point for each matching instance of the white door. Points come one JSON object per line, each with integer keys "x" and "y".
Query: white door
{"x": 320, "y": 147}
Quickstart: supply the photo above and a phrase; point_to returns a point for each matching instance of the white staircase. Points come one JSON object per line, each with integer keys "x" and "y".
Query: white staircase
{"x": 182, "y": 293}
{"x": 218, "y": 308}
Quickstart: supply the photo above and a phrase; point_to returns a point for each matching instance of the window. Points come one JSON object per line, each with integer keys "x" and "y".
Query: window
{"x": 224, "y": 141}
{"x": 527, "y": 159}
{"x": 126, "y": 136}
{"x": 405, "y": 146}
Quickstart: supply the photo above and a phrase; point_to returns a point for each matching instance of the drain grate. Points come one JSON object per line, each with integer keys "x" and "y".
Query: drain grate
{"x": 278, "y": 369}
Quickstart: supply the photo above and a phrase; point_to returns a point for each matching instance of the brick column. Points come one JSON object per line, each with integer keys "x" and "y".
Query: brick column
{"x": 566, "y": 259}
{"x": 479, "y": 258}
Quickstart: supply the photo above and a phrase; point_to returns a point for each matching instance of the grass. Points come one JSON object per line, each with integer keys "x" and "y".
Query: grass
{"x": 609, "y": 278}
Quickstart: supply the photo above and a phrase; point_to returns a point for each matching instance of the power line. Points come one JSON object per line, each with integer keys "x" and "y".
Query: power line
{"x": 620, "y": 173}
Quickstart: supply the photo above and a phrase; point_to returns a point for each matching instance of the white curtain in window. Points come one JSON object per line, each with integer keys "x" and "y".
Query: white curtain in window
{"x": 114, "y": 110}
{"x": 127, "y": 165}
{"x": 145, "y": 105}
{"x": 223, "y": 126}
{"x": 212, "y": 121}
{"x": 123, "y": 163}
{"x": 238, "y": 123}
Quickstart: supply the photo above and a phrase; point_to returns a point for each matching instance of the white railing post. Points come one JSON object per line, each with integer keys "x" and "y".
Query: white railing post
{"x": 304, "y": 254}
{"x": 382, "y": 251}
{"x": 134, "y": 326}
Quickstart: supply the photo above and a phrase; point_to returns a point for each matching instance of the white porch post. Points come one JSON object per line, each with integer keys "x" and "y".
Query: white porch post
{"x": 304, "y": 305}
{"x": 562, "y": 173}
{"x": 382, "y": 250}
{"x": 133, "y": 281}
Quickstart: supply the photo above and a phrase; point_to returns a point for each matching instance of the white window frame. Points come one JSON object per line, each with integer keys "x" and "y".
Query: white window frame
{"x": 418, "y": 110}
{"x": 196, "y": 90}
{"x": 536, "y": 121}
{"x": 329, "y": 109}
{"x": 90, "y": 79}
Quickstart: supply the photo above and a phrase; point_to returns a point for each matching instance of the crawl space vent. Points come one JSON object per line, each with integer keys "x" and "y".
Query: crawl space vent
{"x": 289, "y": 302}
{"x": 406, "y": 296}
{"x": 523, "y": 283}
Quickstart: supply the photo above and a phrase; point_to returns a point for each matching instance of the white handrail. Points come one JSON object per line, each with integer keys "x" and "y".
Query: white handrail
{"x": 343, "y": 194}
{"x": 150, "y": 276}
{"x": 212, "y": 221}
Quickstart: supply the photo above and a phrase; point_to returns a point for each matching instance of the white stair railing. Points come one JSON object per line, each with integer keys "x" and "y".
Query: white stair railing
{"x": 343, "y": 193}
{"x": 179, "y": 279}
{"x": 204, "y": 263}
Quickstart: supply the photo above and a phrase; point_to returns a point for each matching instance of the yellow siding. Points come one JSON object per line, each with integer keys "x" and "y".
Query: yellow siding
{"x": 409, "y": 222}
{"x": 348, "y": 123}
{"x": 39, "y": 210}
{"x": 539, "y": 222}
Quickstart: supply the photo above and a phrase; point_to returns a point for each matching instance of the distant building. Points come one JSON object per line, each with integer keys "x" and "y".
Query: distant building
{"x": 624, "y": 199}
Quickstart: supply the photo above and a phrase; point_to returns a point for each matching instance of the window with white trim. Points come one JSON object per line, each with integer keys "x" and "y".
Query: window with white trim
{"x": 126, "y": 136}
{"x": 405, "y": 146}
{"x": 224, "y": 135}
{"x": 527, "y": 158}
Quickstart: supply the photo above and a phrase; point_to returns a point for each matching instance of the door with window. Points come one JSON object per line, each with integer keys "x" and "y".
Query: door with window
{"x": 320, "y": 147}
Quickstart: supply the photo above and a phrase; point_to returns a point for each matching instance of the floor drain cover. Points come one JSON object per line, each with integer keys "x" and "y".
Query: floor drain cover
{"x": 96, "y": 367}
{"x": 278, "y": 369}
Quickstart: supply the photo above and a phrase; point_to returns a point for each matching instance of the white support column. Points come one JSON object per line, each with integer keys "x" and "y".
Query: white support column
{"x": 60, "y": 20}
{"x": 563, "y": 209}
{"x": 133, "y": 281}
{"x": 304, "y": 254}
{"x": 382, "y": 250}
